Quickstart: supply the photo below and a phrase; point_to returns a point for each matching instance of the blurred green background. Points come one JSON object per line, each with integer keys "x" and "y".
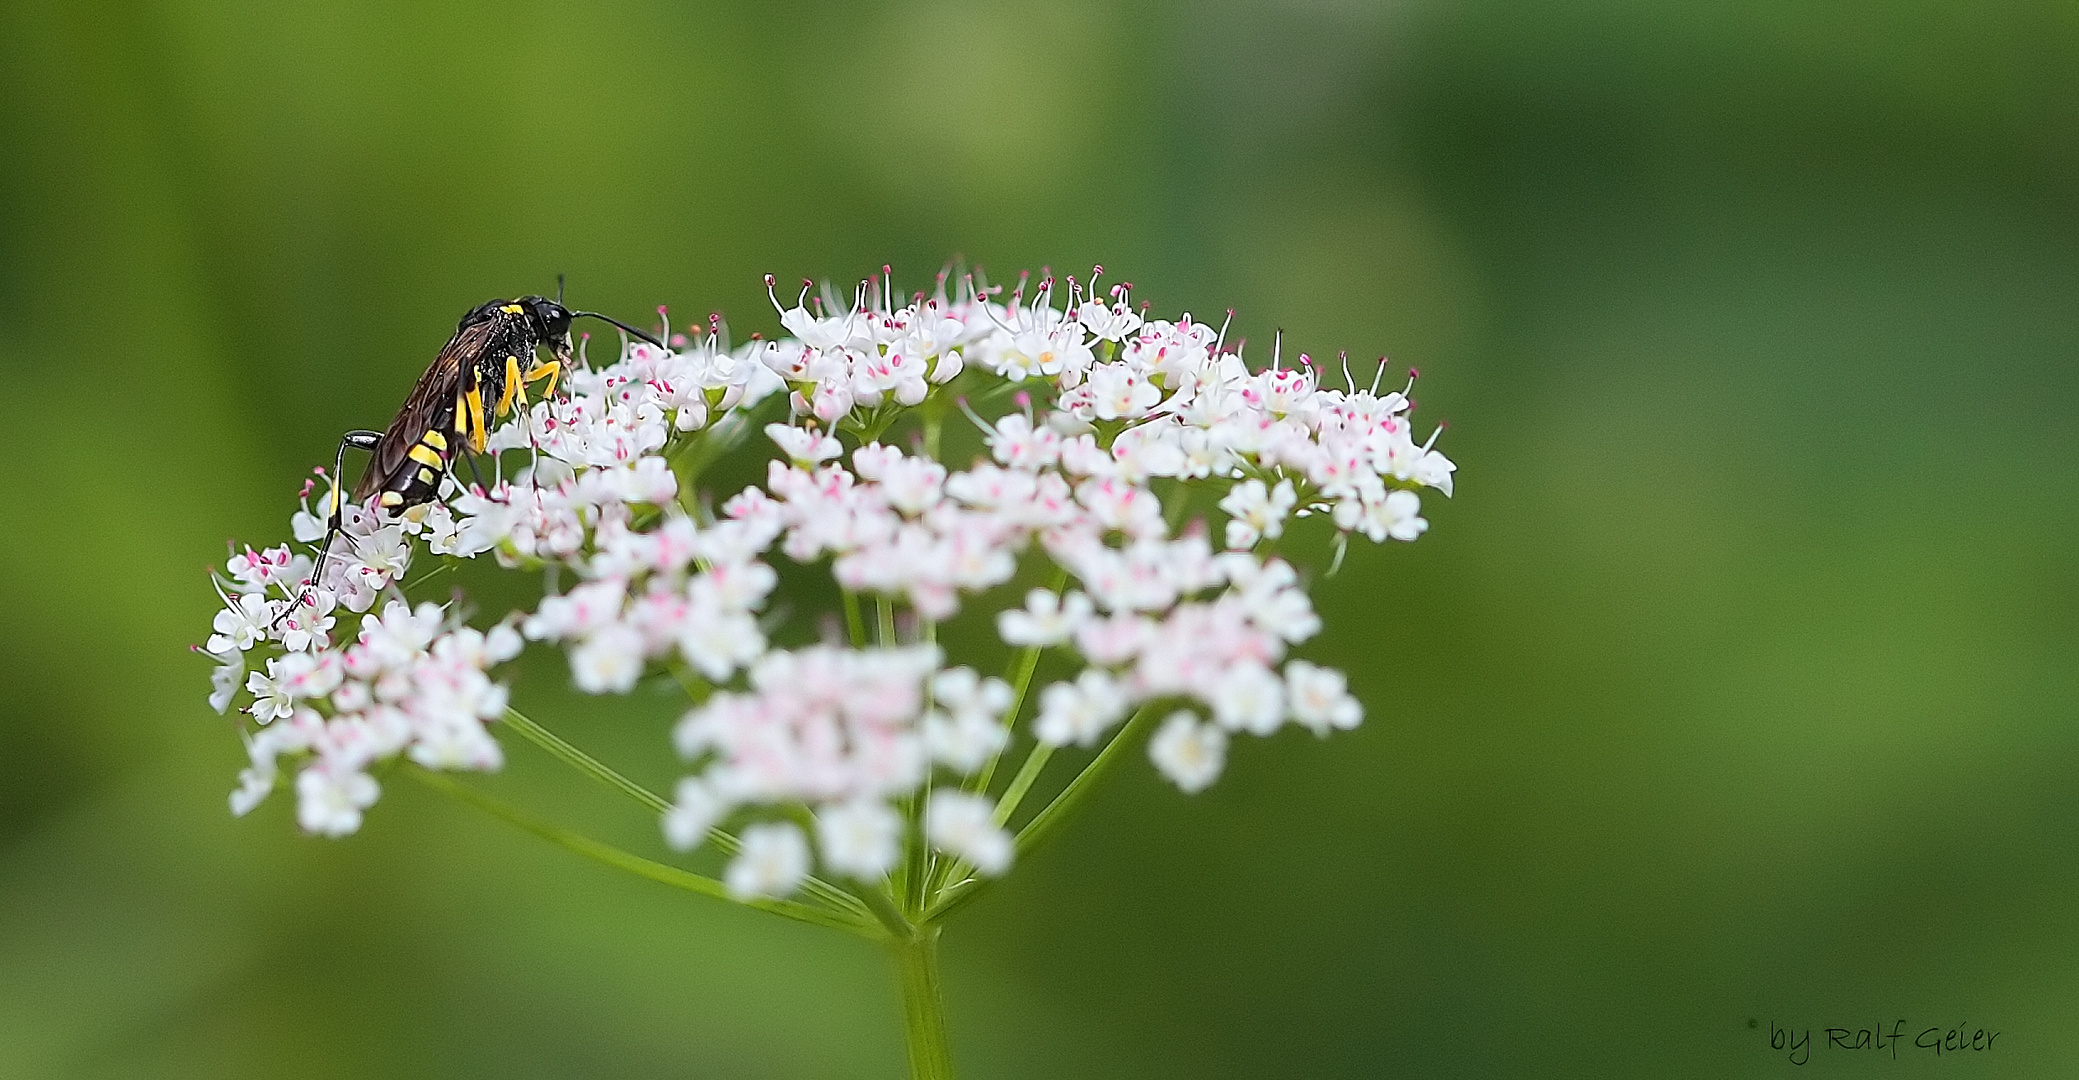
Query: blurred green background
{"x": 1735, "y": 690}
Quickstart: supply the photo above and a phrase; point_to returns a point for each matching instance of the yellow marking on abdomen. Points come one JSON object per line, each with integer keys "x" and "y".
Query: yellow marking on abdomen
{"x": 391, "y": 498}
{"x": 426, "y": 455}
{"x": 426, "y": 476}
{"x": 435, "y": 439}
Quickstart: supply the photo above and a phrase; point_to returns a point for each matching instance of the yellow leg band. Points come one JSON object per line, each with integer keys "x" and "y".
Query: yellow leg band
{"x": 512, "y": 386}
{"x": 477, "y": 435}
{"x": 551, "y": 371}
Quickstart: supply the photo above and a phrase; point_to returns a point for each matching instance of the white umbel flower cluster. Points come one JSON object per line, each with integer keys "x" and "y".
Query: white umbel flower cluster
{"x": 831, "y": 756}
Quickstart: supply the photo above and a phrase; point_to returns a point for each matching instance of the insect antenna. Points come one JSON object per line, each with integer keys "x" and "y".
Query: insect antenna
{"x": 643, "y": 334}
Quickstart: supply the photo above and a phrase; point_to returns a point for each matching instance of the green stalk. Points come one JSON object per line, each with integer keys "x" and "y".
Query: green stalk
{"x": 1021, "y": 681}
{"x": 1050, "y": 817}
{"x": 634, "y": 864}
{"x": 923, "y": 1006}
{"x": 605, "y": 774}
{"x": 1022, "y": 783}
{"x": 855, "y": 625}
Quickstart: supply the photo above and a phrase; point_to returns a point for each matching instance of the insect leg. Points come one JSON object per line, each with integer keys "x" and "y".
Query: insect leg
{"x": 470, "y": 456}
{"x": 358, "y": 440}
{"x": 547, "y": 369}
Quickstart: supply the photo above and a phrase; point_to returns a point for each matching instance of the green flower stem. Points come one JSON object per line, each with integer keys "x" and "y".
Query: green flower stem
{"x": 1021, "y": 681}
{"x": 1050, "y": 816}
{"x": 1034, "y": 832}
{"x": 583, "y": 762}
{"x": 1028, "y": 773}
{"x": 883, "y": 907}
{"x": 923, "y": 1006}
{"x": 636, "y": 864}
{"x": 605, "y": 774}
{"x": 885, "y": 609}
{"x": 916, "y": 864}
{"x": 855, "y": 624}
{"x": 445, "y": 566}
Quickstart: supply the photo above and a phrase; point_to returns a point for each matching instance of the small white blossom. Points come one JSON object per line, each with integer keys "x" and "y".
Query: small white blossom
{"x": 1080, "y": 711}
{"x": 862, "y": 839}
{"x": 329, "y": 801}
{"x": 1190, "y": 753}
{"x": 1046, "y": 618}
{"x": 1257, "y": 513}
{"x": 241, "y": 625}
{"x": 1320, "y": 698}
{"x": 609, "y": 661}
{"x": 964, "y": 824}
{"x": 772, "y": 863}
{"x": 694, "y": 811}
{"x": 1248, "y": 698}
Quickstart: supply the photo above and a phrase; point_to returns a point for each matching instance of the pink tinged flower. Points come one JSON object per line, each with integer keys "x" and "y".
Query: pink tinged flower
{"x": 912, "y": 485}
{"x": 1190, "y": 753}
{"x": 772, "y": 863}
{"x": 577, "y": 613}
{"x": 1280, "y": 390}
{"x": 961, "y": 690}
{"x": 1079, "y": 712}
{"x": 1320, "y": 698}
{"x": 307, "y": 676}
{"x": 1397, "y": 515}
{"x": 694, "y": 810}
{"x": 1119, "y": 391}
{"x": 381, "y": 555}
{"x": 1046, "y": 619}
{"x": 964, "y": 824}
{"x": 649, "y": 480}
{"x": 329, "y": 800}
{"x": 400, "y": 633}
{"x": 1151, "y": 449}
{"x": 1114, "y": 640}
{"x": 830, "y": 402}
{"x": 453, "y": 742}
{"x": 1016, "y": 443}
{"x": 718, "y": 642}
{"x": 862, "y": 838}
{"x": 307, "y": 625}
{"x": 1108, "y": 323}
{"x": 963, "y": 741}
{"x": 609, "y": 661}
{"x": 241, "y": 625}
{"x": 1081, "y": 456}
{"x": 733, "y": 586}
{"x": 1256, "y": 512}
{"x": 966, "y": 728}
{"x": 1119, "y": 506}
{"x": 255, "y": 571}
{"x": 804, "y": 446}
{"x": 1247, "y": 697}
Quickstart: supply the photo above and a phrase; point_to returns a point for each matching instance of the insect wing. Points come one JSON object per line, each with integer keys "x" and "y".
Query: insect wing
{"x": 431, "y": 404}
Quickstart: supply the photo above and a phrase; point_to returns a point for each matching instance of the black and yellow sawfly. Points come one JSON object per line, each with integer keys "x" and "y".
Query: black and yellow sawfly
{"x": 479, "y": 376}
